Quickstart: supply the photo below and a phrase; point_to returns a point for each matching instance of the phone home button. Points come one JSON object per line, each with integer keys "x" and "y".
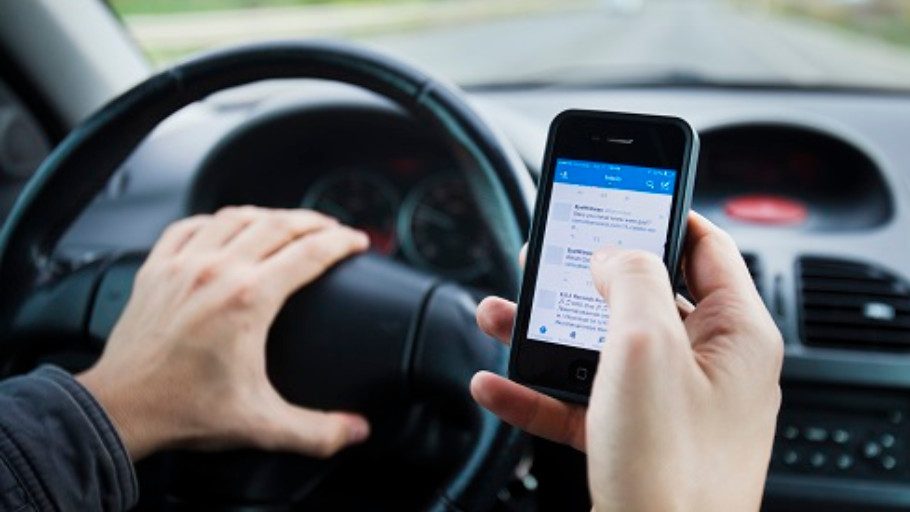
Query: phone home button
{"x": 581, "y": 371}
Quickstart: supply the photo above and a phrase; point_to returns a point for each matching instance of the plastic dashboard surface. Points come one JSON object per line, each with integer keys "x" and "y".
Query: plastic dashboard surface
{"x": 870, "y": 193}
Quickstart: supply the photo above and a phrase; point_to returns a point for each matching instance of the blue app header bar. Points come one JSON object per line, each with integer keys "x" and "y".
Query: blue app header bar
{"x": 616, "y": 176}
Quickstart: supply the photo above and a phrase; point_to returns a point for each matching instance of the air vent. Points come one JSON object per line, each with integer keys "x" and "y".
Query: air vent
{"x": 847, "y": 304}
{"x": 754, "y": 271}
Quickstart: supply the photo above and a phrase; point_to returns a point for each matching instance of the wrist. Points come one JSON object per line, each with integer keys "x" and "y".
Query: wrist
{"x": 141, "y": 435}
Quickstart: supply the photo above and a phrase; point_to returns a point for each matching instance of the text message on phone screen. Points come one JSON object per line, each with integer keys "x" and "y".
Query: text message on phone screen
{"x": 593, "y": 205}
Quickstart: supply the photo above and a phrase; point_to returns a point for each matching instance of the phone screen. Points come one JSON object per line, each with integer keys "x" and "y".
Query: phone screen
{"x": 593, "y": 204}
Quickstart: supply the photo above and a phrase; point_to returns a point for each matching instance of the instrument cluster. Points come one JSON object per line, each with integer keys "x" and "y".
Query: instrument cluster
{"x": 424, "y": 216}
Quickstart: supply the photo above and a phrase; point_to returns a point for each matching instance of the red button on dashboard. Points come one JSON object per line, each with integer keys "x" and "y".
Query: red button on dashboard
{"x": 766, "y": 209}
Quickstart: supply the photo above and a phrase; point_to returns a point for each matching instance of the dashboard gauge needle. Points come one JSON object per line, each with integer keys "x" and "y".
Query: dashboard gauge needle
{"x": 335, "y": 210}
{"x": 437, "y": 217}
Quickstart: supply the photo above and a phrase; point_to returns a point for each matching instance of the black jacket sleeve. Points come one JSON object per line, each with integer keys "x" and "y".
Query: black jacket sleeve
{"x": 58, "y": 449}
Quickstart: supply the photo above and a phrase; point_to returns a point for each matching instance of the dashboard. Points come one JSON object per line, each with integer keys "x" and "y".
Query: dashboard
{"x": 370, "y": 167}
{"x": 784, "y": 176}
{"x": 814, "y": 187}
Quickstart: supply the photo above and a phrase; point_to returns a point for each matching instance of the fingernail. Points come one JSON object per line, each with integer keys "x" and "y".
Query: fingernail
{"x": 478, "y": 391}
{"x": 358, "y": 431}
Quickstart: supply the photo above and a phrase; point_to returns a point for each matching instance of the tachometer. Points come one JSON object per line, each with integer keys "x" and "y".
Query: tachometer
{"x": 360, "y": 199}
{"x": 441, "y": 230}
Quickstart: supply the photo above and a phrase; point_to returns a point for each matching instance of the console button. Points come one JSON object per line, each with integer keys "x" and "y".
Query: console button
{"x": 815, "y": 434}
{"x": 840, "y": 436}
{"x": 790, "y": 432}
{"x": 844, "y": 462}
{"x": 817, "y": 460}
{"x": 872, "y": 450}
{"x": 887, "y": 440}
{"x": 888, "y": 463}
{"x": 790, "y": 458}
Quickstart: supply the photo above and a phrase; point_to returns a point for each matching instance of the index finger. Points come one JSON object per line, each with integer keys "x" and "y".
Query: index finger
{"x": 176, "y": 235}
{"x": 308, "y": 257}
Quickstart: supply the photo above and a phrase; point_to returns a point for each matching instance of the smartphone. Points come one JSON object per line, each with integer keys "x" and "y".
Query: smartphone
{"x": 608, "y": 179}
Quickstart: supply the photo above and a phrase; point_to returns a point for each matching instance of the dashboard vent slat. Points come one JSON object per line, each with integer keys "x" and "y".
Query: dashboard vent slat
{"x": 834, "y": 300}
{"x": 868, "y": 286}
{"x": 851, "y": 318}
{"x": 847, "y": 304}
{"x": 752, "y": 263}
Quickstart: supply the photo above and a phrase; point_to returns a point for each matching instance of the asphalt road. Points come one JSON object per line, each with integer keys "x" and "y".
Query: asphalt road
{"x": 706, "y": 38}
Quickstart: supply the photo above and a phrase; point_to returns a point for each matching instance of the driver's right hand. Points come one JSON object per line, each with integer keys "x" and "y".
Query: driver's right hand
{"x": 185, "y": 364}
{"x": 683, "y": 407}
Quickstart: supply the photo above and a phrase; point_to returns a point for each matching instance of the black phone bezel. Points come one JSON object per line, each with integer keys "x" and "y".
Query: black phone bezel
{"x": 550, "y": 357}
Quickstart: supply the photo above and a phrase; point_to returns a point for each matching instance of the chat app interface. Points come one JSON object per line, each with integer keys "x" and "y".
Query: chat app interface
{"x": 592, "y": 205}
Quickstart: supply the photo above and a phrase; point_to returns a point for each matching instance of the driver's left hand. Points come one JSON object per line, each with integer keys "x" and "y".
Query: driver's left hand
{"x": 185, "y": 364}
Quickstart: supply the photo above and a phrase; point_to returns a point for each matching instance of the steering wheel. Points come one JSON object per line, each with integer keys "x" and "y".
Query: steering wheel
{"x": 372, "y": 335}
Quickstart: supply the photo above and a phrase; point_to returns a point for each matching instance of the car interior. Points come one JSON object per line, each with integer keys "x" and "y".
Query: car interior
{"x": 808, "y": 177}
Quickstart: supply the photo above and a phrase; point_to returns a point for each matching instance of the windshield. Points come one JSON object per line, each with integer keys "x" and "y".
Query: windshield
{"x": 809, "y": 43}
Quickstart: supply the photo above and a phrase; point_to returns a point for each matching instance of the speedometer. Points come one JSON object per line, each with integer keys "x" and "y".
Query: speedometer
{"x": 359, "y": 199}
{"x": 441, "y": 230}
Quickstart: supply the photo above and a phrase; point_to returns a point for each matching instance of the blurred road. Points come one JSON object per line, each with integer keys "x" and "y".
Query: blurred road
{"x": 169, "y": 35}
{"x": 603, "y": 42}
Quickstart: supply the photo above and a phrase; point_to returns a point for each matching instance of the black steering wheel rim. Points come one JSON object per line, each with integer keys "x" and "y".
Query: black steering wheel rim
{"x": 103, "y": 141}
{"x": 82, "y": 164}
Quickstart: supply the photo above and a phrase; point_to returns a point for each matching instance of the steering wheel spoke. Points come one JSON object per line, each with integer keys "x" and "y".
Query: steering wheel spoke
{"x": 450, "y": 348}
{"x": 59, "y": 320}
